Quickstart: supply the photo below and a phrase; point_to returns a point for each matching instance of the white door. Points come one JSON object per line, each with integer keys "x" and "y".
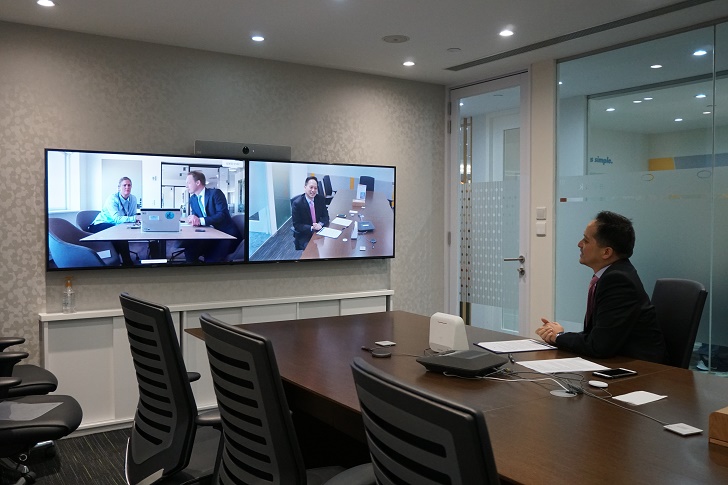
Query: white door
{"x": 488, "y": 204}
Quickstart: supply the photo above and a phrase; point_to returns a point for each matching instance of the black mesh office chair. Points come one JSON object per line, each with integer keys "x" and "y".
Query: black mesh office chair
{"x": 165, "y": 445}
{"x": 368, "y": 181}
{"x": 26, "y": 421}
{"x": 260, "y": 444}
{"x": 328, "y": 189}
{"x": 418, "y": 438}
{"x": 679, "y": 305}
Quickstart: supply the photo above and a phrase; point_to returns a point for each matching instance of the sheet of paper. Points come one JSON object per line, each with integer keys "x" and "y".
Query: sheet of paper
{"x": 341, "y": 221}
{"x": 328, "y": 232}
{"x": 508, "y": 346}
{"x": 551, "y": 366}
{"x": 637, "y": 398}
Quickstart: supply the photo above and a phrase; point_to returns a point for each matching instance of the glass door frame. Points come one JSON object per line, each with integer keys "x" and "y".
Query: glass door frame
{"x": 453, "y": 177}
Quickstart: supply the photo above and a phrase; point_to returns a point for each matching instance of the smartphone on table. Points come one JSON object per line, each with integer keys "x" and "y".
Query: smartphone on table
{"x": 614, "y": 373}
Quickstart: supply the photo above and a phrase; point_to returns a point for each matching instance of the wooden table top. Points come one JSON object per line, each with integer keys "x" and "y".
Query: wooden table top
{"x": 537, "y": 437}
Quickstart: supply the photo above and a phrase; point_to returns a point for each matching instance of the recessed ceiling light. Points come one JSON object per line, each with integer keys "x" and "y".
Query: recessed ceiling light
{"x": 647, "y": 99}
{"x": 707, "y": 112}
{"x": 454, "y": 49}
{"x": 408, "y": 63}
{"x": 700, "y": 96}
{"x": 655, "y": 66}
{"x": 46, "y": 3}
{"x": 258, "y": 38}
{"x": 637, "y": 101}
{"x": 506, "y": 33}
{"x": 395, "y": 39}
{"x": 700, "y": 52}
{"x": 610, "y": 109}
{"x": 561, "y": 82}
{"x": 462, "y": 104}
{"x": 678, "y": 119}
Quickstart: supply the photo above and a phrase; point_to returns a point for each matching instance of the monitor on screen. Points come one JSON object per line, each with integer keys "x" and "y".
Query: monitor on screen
{"x": 95, "y": 202}
{"x": 353, "y": 208}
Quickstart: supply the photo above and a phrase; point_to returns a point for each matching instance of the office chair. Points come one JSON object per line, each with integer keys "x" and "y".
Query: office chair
{"x": 260, "y": 443}
{"x": 238, "y": 254}
{"x": 28, "y": 420}
{"x": 69, "y": 251}
{"x": 679, "y": 305}
{"x": 415, "y": 437}
{"x": 328, "y": 188}
{"x": 85, "y": 218}
{"x": 170, "y": 442}
{"x": 35, "y": 380}
{"x": 368, "y": 181}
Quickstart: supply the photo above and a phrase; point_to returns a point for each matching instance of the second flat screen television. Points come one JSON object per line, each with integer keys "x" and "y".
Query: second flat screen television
{"x": 353, "y": 208}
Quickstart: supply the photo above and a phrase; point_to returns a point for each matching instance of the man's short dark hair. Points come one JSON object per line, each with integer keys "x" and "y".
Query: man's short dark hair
{"x": 310, "y": 177}
{"x": 615, "y": 231}
{"x": 198, "y": 176}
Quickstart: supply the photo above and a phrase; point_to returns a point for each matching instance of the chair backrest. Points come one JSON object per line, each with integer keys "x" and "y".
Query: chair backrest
{"x": 67, "y": 255}
{"x": 260, "y": 444}
{"x": 164, "y": 424}
{"x": 328, "y": 189}
{"x": 85, "y": 218}
{"x": 415, "y": 437}
{"x": 679, "y": 305}
{"x": 64, "y": 231}
{"x": 368, "y": 181}
{"x": 238, "y": 254}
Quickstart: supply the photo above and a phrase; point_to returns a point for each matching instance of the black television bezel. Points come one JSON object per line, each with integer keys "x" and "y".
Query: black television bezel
{"x": 246, "y": 261}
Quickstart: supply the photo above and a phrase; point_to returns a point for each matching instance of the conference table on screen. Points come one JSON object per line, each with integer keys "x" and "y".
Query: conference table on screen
{"x": 133, "y": 232}
{"x": 376, "y": 209}
{"x": 537, "y": 437}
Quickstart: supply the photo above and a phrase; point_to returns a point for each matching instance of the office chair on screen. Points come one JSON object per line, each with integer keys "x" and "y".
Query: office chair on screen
{"x": 368, "y": 181}
{"x": 85, "y": 218}
{"x": 26, "y": 421}
{"x": 679, "y": 305}
{"x": 170, "y": 442}
{"x": 260, "y": 443}
{"x": 414, "y": 437}
{"x": 238, "y": 254}
{"x": 68, "y": 250}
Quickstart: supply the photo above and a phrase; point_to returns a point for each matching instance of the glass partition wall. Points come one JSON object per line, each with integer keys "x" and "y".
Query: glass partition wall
{"x": 642, "y": 130}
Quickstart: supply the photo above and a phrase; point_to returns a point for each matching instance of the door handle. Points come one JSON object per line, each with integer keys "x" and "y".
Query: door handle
{"x": 521, "y": 259}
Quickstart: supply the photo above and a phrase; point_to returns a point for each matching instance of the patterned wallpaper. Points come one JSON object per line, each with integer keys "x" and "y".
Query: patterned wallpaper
{"x": 77, "y": 91}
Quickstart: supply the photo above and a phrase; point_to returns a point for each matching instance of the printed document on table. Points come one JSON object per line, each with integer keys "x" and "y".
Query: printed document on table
{"x": 341, "y": 221}
{"x": 509, "y": 346}
{"x": 328, "y": 232}
{"x": 551, "y": 366}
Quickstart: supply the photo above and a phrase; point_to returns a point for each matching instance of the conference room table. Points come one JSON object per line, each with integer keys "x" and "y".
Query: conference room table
{"x": 537, "y": 438}
{"x": 375, "y": 209}
{"x": 133, "y": 232}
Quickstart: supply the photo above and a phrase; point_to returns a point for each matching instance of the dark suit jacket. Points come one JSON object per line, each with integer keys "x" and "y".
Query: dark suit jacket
{"x": 218, "y": 215}
{"x": 623, "y": 321}
{"x": 301, "y": 218}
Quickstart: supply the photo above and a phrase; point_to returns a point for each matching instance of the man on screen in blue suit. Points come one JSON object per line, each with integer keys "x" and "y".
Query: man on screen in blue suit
{"x": 208, "y": 207}
{"x": 308, "y": 213}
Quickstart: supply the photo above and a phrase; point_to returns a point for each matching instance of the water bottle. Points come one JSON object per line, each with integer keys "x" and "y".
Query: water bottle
{"x": 355, "y": 231}
{"x": 69, "y": 297}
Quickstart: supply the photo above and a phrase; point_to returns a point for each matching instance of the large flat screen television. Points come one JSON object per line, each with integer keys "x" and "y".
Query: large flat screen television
{"x": 118, "y": 210}
{"x": 353, "y": 207}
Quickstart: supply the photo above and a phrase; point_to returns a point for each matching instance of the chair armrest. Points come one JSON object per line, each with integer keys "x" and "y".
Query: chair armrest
{"x": 5, "y": 384}
{"x": 209, "y": 418}
{"x": 8, "y": 361}
{"x": 6, "y": 342}
{"x": 193, "y": 376}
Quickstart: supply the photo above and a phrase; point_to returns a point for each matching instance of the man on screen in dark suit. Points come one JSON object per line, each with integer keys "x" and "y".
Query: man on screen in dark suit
{"x": 208, "y": 207}
{"x": 620, "y": 319}
{"x": 308, "y": 213}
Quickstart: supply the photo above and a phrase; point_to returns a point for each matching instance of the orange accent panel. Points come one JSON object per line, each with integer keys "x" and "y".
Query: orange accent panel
{"x": 655, "y": 164}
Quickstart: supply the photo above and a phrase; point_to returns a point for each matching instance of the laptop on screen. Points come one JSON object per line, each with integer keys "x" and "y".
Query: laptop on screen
{"x": 161, "y": 220}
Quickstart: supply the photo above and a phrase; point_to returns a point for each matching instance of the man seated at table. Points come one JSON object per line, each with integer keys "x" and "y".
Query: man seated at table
{"x": 209, "y": 207}
{"x": 119, "y": 208}
{"x": 308, "y": 213}
{"x": 620, "y": 320}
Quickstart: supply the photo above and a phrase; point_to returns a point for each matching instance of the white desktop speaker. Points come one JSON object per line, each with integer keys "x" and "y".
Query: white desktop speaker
{"x": 447, "y": 332}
